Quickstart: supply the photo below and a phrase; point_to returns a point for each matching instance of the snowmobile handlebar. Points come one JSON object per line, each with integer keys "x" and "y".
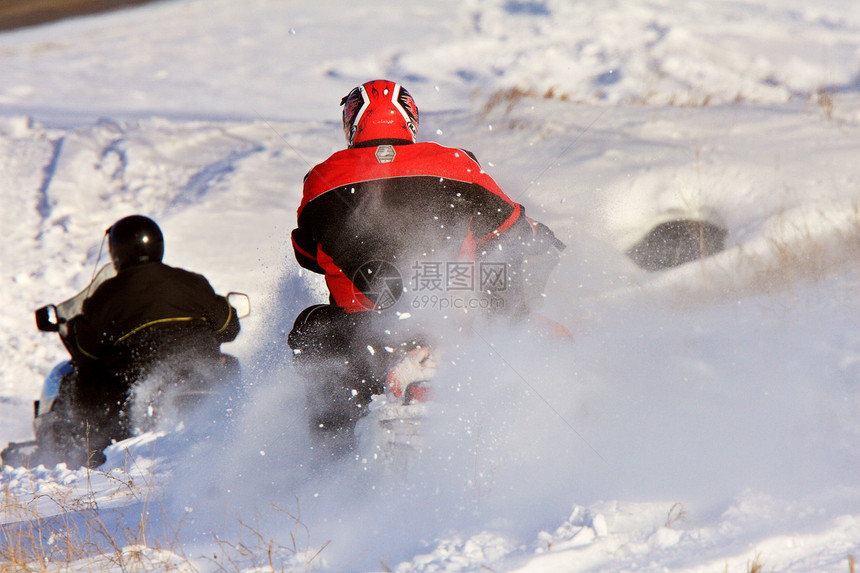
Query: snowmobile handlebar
{"x": 48, "y": 320}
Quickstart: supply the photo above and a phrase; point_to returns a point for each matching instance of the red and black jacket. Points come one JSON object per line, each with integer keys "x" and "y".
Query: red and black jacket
{"x": 397, "y": 203}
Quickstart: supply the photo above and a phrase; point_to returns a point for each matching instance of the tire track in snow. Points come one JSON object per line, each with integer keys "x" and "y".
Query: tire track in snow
{"x": 43, "y": 206}
{"x": 206, "y": 179}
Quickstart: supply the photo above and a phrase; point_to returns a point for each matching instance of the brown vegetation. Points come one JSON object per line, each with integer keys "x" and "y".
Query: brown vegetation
{"x": 23, "y": 13}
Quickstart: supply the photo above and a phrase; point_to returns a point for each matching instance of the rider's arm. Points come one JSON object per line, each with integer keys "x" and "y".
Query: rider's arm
{"x": 305, "y": 249}
{"x": 82, "y": 341}
{"x": 216, "y": 309}
{"x": 530, "y": 252}
{"x": 225, "y": 320}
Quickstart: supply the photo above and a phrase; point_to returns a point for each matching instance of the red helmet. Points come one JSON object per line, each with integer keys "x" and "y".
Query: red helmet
{"x": 379, "y": 110}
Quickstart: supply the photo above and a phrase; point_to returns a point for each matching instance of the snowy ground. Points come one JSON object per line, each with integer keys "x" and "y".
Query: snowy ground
{"x": 705, "y": 418}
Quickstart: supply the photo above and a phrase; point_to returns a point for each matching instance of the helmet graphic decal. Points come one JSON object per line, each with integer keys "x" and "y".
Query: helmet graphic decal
{"x": 406, "y": 104}
{"x": 354, "y": 105}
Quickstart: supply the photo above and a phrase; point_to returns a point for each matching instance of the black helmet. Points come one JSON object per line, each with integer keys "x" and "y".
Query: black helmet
{"x": 135, "y": 240}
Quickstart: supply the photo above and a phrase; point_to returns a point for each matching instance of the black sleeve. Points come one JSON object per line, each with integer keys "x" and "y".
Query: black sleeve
{"x": 527, "y": 236}
{"x": 305, "y": 249}
{"x": 229, "y": 329}
{"x": 220, "y": 314}
{"x": 544, "y": 237}
{"x": 530, "y": 251}
{"x": 82, "y": 341}
{"x": 215, "y": 308}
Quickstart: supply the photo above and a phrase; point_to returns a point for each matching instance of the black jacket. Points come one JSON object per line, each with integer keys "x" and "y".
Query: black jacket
{"x": 147, "y": 312}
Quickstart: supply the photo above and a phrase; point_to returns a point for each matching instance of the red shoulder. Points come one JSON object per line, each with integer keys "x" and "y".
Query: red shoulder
{"x": 351, "y": 166}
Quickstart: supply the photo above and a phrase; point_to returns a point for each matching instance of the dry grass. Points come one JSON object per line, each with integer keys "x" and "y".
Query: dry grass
{"x": 23, "y": 13}
{"x": 77, "y": 531}
{"x": 676, "y": 514}
{"x": 802, "y": 251}
{"x": 508, "y": 98}
{"x": 825, "y": 102}
{"x": 262, "y": 551}
{"x": 757, "y": 565}
{"x": 81, "y": 535}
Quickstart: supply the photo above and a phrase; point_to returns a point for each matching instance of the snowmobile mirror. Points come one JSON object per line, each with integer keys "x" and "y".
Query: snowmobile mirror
{"x": 47, "y": 319}
{"x": 241, "y": 302}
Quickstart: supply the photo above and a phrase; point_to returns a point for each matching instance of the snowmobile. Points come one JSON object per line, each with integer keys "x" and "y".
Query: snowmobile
{"x": 391, "y": 431}
{"x": 54, "y": 422}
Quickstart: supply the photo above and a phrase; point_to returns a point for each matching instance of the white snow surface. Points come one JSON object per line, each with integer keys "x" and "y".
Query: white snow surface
{"x": 704, "y": 418}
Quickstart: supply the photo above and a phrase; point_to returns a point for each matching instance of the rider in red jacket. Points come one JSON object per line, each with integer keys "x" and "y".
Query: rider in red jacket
{"x": 390, "y": 222}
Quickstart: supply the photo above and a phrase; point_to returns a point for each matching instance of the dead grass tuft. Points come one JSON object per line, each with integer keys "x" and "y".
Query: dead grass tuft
{"x": 676, "y": 514}
{"x": 261, "y": 551}
{"x": 757, "y": 564}
{"x": 825, "y": 102}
